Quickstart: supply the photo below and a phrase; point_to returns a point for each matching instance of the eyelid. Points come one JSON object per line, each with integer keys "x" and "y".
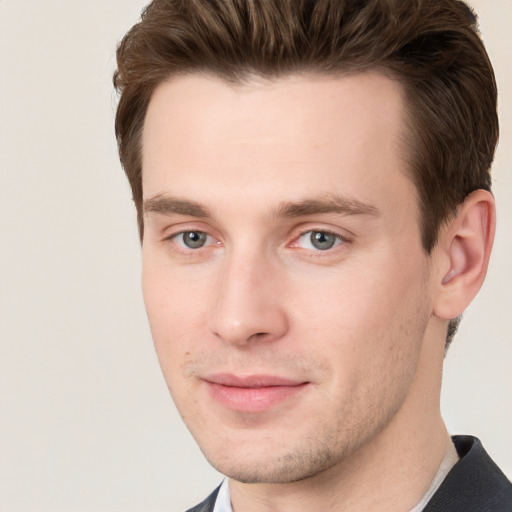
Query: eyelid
{"x": 343, "y": 239}
{"x": 178, "y": 228}
{"x": 176, "y": 236}
{"x": 174, "y": 232}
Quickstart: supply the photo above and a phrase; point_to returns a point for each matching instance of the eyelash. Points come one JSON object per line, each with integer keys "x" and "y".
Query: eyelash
{"x": 181, "y": 247}
{"x": 338, "y": 239}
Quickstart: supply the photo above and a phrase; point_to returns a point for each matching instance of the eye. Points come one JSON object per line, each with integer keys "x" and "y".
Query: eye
{"x": 191, "y": 239}
{"x": 319, "y": 240}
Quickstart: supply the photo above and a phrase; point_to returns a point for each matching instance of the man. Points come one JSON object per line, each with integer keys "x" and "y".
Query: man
{"x": 313, "y": 195}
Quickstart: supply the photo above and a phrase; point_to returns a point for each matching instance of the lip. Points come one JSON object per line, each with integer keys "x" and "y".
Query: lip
{"x": 252, "y": 393}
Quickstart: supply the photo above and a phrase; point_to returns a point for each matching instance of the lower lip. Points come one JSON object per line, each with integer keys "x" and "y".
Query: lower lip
{"x": 252, "y": 399}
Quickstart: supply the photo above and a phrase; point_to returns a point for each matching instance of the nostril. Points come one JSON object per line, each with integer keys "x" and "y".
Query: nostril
{"x": 258, "y": 336}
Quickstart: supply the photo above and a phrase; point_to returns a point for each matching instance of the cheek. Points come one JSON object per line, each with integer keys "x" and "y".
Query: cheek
{"x": 172, "y": 296}
{"x": 171, "y": 313}
{"x": 367, "y": 320}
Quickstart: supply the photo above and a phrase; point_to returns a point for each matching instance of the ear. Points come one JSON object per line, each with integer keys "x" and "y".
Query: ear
{"x": 463, "y": 252}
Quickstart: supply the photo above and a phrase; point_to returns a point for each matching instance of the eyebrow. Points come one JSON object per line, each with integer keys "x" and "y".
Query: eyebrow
{"x": 166, "y": 205}
{"x": 329, "y": 204}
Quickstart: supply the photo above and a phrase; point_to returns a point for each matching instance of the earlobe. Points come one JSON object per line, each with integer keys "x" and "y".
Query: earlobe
{"x": 465, "y": 247}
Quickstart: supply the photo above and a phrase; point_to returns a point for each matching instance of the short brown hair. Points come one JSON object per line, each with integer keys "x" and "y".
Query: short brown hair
{"x": 432, "y": 47}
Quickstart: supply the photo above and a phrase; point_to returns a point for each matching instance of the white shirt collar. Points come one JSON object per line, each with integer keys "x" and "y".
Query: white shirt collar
{"x": 223, "y": 501}
{"x": 451, "y": 457}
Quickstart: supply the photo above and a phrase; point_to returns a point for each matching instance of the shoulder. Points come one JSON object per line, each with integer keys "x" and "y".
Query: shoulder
{"x": 475, "y": 484}
{"x": 208, "y": 504}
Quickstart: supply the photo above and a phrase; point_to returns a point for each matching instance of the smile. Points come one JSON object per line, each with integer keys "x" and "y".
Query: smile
{"x": 254, "y": 394}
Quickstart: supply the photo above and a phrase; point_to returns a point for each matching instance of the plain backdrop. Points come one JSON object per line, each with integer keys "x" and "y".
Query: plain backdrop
{"x": 86, "y": 422}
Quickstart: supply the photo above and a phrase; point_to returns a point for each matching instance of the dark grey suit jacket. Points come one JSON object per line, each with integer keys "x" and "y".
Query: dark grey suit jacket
{"x": 475, "y": 484}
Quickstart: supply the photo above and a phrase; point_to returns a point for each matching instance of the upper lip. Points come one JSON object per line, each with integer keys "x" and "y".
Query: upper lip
{"x": 251, "y": 381}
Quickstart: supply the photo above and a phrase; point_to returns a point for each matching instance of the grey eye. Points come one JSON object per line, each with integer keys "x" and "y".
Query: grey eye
{"x": 322, "y": 240}
{"x": 194, "y": 239}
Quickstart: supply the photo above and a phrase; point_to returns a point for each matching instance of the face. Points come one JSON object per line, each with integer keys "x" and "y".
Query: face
{"x": 283, "y": 272}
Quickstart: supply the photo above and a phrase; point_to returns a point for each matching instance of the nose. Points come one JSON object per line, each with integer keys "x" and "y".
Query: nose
{"x": 249, "y": 303}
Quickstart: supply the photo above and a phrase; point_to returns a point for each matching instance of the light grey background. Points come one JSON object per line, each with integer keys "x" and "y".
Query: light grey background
{"x": 86, "y": 423}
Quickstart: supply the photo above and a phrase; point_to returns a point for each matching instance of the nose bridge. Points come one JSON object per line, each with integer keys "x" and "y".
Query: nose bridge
{"x": 247, "y": 303}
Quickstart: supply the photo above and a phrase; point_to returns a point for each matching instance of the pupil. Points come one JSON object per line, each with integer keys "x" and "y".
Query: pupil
{"x": 322, "y": 241}
{"x": 194, "y": 239}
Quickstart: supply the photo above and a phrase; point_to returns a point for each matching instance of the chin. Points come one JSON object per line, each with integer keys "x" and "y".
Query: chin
{"x": 282, "y": 469}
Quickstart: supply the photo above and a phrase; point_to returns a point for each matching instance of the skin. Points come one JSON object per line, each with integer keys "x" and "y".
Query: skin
{"x": 251, "y": 171}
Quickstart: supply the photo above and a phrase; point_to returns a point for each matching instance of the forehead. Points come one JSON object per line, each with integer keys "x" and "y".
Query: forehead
{"x": 280, "y": 138}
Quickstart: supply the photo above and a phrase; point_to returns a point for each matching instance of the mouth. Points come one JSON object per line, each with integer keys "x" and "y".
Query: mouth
{"x": 253, "y": 393}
